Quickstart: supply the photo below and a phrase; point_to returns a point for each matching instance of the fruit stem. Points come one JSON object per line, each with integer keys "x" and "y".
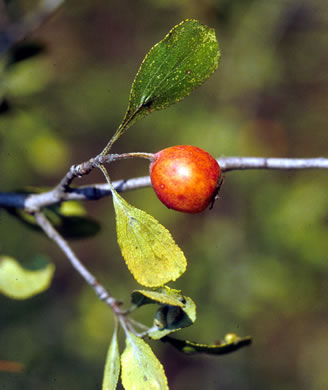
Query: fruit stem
{"x": 105, "y": 173}
{"x": 147, "y": 156}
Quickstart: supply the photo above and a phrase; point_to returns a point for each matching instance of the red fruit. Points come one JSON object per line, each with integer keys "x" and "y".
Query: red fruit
{"x": 185, "y": 178}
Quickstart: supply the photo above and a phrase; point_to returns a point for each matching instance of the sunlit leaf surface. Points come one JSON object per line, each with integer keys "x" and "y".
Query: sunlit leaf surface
{"x": 112, "y": 366}
{"x": 161, "y": 295}
{"x": 148, "y": 248}
{"x": 140, "y": 367}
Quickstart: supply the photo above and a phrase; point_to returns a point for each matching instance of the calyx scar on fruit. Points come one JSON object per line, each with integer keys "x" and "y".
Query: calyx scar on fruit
{"x": 185, "y": 178}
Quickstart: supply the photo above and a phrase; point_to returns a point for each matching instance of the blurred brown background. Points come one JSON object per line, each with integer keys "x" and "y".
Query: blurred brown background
{"x": 258, "y": 262}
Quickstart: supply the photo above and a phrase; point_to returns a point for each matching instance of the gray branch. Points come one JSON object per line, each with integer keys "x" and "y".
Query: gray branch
{"x": 60, "y": 193}
{"x": 240, "y": 163}
{"x": 34, "y": 203}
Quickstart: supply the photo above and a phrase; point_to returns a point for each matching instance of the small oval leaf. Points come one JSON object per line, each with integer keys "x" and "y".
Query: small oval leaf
{"x": 140, "y": 367}
{"x": 112, "y": 366}
{"x": 182, "y": 61}
{"x": 149, "y": 250}
{"x": 19, "y": 283}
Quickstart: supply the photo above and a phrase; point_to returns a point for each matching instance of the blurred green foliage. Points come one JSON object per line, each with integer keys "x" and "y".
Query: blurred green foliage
{"x": 70, "y": 219}
{"x": 258, "y": 262}
{"x": 17, "y": 282}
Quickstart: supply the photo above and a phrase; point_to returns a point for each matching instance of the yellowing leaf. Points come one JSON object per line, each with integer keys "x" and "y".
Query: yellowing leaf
{"x": 141, "y": 370}
{"x": 176, "y": 310}
{"x": 112, "y": 366}
{"x": 19, "y": 283}
{"x": 162, "y": 295}
{"x": 149, "y": 250}
{"x": 170, "y": 319}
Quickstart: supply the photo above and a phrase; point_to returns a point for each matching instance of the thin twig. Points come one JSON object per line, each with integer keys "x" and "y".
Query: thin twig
{"x": 241, "y": 163}
{"x": 87, "y": 166}
{"x": 62, "y": 192}
{"x": 99, "y": 289}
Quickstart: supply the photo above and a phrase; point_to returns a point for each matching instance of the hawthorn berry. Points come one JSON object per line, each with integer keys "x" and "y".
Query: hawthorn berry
{"x": 185, "y": 178}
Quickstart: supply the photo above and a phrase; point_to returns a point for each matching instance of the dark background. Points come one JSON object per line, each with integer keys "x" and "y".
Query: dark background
{"x": 258, "y": 262}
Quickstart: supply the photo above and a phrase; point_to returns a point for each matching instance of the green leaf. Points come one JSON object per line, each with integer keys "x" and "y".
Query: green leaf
{"x": 19, "y": 283}
{"x": 170, "y": 319}
{"x": 176, "y": 311}
{"x": 162, "y": 295}
{"x": 182, "y": 61}
{"x": 231, "y": 343}
{"x": 112, "y": 366}
{"x": 149, "y": 250}
{"x": 69, "y": 218}
{"x": 140, "y": 367}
